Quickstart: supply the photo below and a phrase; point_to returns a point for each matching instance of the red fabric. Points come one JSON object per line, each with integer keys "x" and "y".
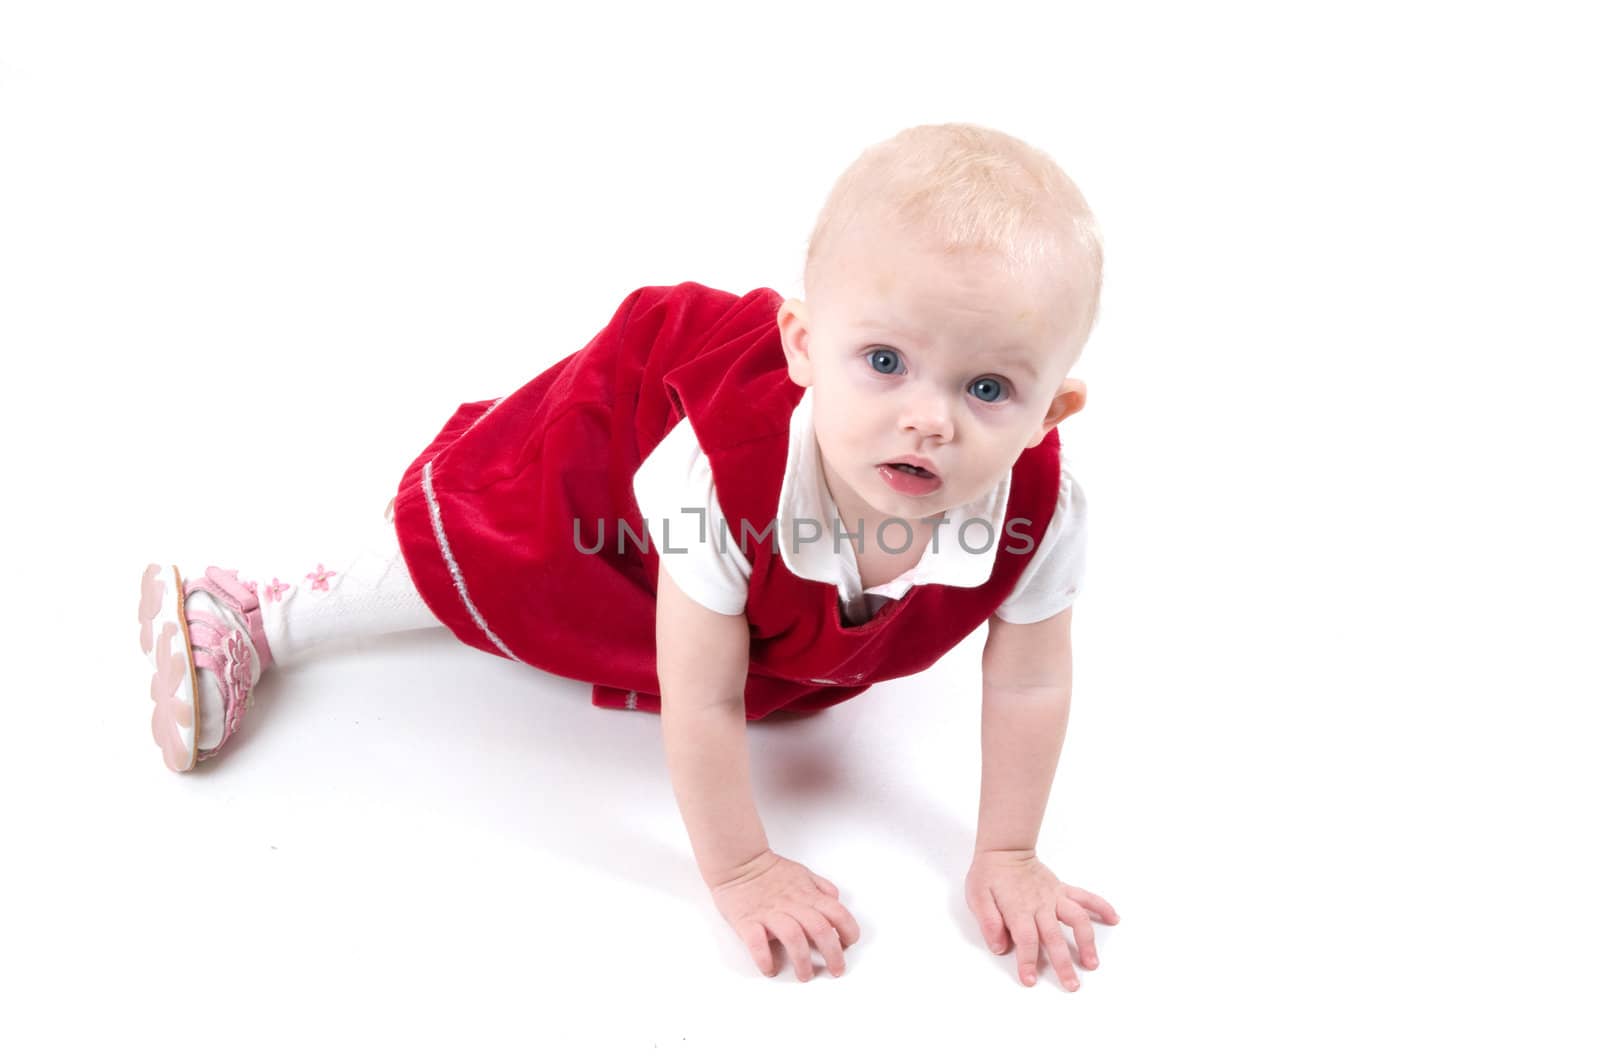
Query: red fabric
{"x": 509, "y": 478}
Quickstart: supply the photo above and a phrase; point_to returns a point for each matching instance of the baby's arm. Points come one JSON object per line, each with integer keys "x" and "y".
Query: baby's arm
{"x": 1027, "y": 691}
{"x": 702, "y": 661}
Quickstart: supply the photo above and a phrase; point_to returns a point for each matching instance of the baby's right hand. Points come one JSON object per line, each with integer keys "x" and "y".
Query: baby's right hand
{"x": 771, "y": 897}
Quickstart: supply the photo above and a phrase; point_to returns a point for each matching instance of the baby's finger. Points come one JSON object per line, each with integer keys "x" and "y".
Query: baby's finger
{"x": 1077, "y": 918}
{"x": 793, "y": 936}
{"x": 1055, "y": 946}
{"x": 1097, "y": 905}
{"x": 840, "y": 917}
{"x": 826, "y": 939}
{"x": 824, "y": 885}
{"x": 1026, "y": 935}
{"x": 754, "y": 936}
{"x": 991, "y": 924}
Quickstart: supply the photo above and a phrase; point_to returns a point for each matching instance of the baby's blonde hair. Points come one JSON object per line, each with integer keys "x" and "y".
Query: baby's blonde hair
{"x": 963, "y": 187}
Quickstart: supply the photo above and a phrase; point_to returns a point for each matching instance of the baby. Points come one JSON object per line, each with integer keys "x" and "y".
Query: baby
{"x": 838, "y": 491}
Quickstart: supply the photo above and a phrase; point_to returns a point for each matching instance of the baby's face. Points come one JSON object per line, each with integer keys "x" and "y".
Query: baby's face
{"x": 947, "y": 362}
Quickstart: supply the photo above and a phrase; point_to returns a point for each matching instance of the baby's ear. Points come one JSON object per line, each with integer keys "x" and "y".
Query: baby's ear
{"x": 794, "y": 327}
{"x": 1069, "y": 399}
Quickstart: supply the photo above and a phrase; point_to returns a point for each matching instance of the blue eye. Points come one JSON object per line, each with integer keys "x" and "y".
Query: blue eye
{"x": 884, "y": 360}
{"x": 988, "y": 388}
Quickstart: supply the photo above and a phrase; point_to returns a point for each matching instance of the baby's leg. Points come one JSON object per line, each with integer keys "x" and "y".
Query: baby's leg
{"x": 236, "y": 624}
{"x": 323, "y": 605}
{"x": 310, "y": 608}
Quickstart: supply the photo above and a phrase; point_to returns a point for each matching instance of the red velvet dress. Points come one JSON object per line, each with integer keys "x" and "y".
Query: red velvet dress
{"x": 520, "y": 529}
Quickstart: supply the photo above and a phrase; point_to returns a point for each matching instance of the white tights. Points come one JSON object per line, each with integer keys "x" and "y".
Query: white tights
{"x": 311, "y": 607}
{"x": 331, "y": 600}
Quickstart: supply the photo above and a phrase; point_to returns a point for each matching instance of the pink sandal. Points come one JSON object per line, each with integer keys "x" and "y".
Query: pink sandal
{"x": 208, "y": 643}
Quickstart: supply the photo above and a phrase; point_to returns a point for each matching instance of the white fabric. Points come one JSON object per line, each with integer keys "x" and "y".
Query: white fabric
{"x": 308, "y": 607}
{"x": 361, "y": 593}
{"x": 703, "y": 556}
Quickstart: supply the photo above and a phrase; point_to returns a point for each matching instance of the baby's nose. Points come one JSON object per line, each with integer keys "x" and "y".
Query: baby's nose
{"x": 927, "y": 415}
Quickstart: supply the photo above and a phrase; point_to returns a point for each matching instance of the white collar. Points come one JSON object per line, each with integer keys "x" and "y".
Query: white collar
{"x": 805, "y": 495}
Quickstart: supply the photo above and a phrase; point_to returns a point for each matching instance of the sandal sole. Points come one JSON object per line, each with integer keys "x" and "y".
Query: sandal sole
{"x": 161, "y": 608}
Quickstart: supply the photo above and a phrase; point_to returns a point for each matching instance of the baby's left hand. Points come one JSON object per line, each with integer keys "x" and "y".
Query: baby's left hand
{"x": 1010, "y": 890}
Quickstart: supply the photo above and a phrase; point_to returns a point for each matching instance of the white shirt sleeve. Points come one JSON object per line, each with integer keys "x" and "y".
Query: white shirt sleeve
{"x": 678, "y": 500}
{"x": 1054, "y": 573}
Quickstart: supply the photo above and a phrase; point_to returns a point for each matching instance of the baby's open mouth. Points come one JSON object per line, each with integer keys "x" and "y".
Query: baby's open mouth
{"x": 914, "y": 469}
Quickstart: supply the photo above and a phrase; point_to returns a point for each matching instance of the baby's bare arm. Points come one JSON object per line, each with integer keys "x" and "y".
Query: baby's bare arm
{"x": 702, "y": 659}
{"x": 1027, "y": 691}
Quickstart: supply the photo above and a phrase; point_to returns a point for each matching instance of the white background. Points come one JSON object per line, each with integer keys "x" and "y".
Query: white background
{"x": 1332, "y": 743}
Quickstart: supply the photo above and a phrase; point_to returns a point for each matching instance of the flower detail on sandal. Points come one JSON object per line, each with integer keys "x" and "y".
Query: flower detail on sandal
{"x": 274, "y": 591}
{"x": 234, "y": 676}
{"x": 223, "y": 648}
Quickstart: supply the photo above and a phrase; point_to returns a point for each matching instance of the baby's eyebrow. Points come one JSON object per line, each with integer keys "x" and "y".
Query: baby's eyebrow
{"x": 1019, "y": 362}
{"x": 892, "y": 330}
